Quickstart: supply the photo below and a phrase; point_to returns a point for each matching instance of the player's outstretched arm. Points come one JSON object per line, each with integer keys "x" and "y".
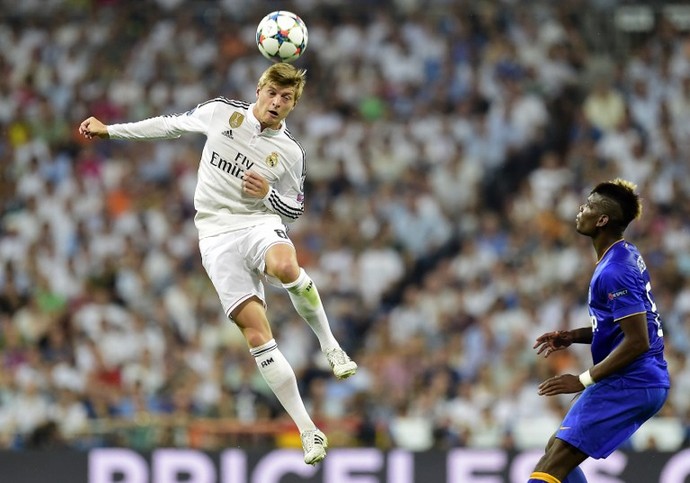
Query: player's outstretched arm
{"x": 92, "y": 127}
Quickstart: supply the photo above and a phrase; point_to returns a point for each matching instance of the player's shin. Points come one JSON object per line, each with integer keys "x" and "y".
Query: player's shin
{"x": 305, "y": 297}
{"x": 280, "y": 377}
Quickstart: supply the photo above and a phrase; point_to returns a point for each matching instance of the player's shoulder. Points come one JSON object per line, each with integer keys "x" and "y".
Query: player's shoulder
{"x": 626, "y": 253}
{"x": 294, "y": 144}
{"x": 225, "y": 102}
{"x": 625, "y": 260}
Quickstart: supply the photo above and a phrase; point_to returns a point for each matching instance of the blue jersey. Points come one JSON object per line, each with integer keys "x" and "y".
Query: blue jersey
{"x": 621, "y": 287}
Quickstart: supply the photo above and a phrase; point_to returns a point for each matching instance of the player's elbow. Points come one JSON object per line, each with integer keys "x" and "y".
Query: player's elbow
{"x": 638, "y": 346}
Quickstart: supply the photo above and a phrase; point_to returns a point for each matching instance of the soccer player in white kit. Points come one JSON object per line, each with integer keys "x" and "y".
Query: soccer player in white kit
{"x": 250, "y": 184}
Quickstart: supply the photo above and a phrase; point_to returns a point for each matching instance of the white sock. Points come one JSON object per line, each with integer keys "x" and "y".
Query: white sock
{"x": 305, "y": 297}
{"x": 280, "y": 377}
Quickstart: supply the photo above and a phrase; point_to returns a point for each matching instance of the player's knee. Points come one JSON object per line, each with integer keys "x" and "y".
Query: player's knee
{"x": 284, "y": 269}
{"x": 559, "y": 458}
{"x": 546, "y": 462}
{"x": 250, "y": 318}
{"x": 256, "y": 337}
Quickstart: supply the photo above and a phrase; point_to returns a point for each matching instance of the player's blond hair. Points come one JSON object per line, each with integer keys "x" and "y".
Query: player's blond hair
{"x": 283, "y": 74}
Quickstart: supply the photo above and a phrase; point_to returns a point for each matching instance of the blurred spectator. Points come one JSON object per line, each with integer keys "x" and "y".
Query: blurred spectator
{"x": 435, "y": 131}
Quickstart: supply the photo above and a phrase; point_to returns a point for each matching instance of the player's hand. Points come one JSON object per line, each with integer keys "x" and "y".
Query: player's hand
{"x": 563, "y": 384}
{"x": 254, "y": 185}
{"x": 552, "y": 342}
{"x": 93, "y": 128}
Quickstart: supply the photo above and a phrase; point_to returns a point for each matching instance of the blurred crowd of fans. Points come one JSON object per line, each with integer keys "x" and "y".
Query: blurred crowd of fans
{"x": 449, "y": 145}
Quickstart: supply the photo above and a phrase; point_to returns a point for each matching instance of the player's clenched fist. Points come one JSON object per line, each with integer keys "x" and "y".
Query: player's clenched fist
{"x": 92, "y": 127}
{"x": 255, "y": 185}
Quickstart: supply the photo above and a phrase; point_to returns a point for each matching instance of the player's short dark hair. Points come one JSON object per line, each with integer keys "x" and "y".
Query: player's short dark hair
{"x": 285, "y": 75}
{"x": 623, "y": 194}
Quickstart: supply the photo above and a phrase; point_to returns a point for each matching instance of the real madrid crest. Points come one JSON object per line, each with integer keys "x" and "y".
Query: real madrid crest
{"x": 236, "y": 119}
{"x": 272, "y": 159}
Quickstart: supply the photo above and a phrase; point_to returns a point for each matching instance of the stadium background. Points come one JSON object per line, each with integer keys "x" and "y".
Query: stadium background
{"x": 449, "y": 144}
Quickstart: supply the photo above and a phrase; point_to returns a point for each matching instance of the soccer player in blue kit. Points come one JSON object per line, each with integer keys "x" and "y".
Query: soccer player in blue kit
{"x": 629, "y": 381}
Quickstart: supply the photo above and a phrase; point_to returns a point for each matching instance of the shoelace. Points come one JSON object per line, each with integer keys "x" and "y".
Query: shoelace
{"x": 338, "y": 357}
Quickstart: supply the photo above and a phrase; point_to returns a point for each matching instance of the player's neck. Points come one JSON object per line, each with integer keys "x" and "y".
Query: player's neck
{"x": 270, "y": 127}
{"x": 603, "y": 242}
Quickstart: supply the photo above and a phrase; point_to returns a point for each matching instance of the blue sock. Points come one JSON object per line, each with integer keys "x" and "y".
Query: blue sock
{"x": 575, "y": 476}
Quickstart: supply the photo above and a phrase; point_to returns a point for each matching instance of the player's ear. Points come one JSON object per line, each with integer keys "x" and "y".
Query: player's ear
{"x": 603, "y": 220}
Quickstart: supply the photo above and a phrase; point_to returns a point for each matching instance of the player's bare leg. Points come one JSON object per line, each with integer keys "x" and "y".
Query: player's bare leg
{"x": 251, "y": 319}
{"x": 559, "y": 460}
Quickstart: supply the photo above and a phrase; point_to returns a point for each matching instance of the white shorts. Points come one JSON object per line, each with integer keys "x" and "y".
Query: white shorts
{"x": 235, "y": 262}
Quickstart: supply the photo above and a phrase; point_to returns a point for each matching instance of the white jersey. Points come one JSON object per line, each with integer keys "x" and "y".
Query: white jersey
{"x": 234, "y": 144}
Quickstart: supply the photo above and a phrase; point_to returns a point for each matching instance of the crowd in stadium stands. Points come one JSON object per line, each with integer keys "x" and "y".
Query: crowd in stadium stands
{"x": 448, "y": 147}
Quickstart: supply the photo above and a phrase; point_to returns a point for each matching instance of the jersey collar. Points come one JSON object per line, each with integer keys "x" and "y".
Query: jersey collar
{"x": 257, "y": 125}
{"x": 609, "y": 249}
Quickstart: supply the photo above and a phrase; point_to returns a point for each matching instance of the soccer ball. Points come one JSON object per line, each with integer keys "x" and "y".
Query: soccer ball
{"x": 281, "y": 36}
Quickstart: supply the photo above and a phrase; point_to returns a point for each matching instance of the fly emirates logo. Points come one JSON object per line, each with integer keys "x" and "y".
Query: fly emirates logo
{"x": 235, "y": 167}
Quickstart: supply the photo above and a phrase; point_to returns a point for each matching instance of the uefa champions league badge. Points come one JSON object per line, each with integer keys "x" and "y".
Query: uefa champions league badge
{"x": 272, "y": 159}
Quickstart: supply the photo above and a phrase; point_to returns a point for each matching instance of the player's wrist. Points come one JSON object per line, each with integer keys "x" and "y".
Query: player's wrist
{"x": 565, "y": 334}
{"x": 586, "y": 378}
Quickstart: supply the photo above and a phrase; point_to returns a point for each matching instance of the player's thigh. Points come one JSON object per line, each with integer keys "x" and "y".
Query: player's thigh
{"x": 267, "y": 238}
{"x": 226, "y": 265}
{"x": 281, "y": 262}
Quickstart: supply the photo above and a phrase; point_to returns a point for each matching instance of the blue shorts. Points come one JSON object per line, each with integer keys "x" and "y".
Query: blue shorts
{"x": 605, "y": 416}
